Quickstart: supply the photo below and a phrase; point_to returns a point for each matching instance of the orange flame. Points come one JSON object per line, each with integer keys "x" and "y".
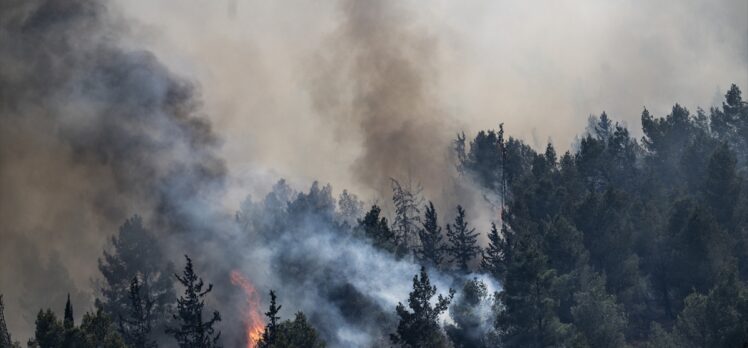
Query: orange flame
{"x": 253, "y": 321}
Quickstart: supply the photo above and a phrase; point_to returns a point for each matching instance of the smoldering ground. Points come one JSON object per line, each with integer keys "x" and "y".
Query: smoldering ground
{"x": 97, "y": 126}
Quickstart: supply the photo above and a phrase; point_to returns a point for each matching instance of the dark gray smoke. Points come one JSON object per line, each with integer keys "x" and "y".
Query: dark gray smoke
{"x": 91, "y": 133}
{"x": 378, "y": 81}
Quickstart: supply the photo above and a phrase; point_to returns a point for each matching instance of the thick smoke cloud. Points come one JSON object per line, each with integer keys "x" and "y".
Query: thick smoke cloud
{"x": 299, "y": 246}
{"x": 540, "y": 67}
{"x": 90, "y": 134}
{"x": 379, "y": 84}
{"x": 97, "y": 125}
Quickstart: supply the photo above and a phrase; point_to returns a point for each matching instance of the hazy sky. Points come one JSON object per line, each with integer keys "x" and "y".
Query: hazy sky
{"x": 541, "y": 67}
{"x": 345, "y": 92}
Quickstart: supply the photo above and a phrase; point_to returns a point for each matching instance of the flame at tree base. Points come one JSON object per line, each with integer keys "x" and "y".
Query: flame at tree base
{"x": 254, "y": 324}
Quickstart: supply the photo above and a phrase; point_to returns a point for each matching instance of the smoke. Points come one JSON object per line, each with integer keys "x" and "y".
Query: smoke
{"x": 347, "y": 288}
{"x": 114, "y": 108}
{"x": 326, "y": 91}
{"x": 91, "y": 134}
{"x": 379, "y": 84}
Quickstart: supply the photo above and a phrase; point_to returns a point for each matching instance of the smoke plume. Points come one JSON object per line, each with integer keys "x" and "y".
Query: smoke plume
{"x": 91, "y": 134}
{"x": 109, "y": 109}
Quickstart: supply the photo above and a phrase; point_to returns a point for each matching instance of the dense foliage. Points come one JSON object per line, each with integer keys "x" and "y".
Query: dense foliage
{"x": 622, "y": 241}
{"x": 617, "y": 242}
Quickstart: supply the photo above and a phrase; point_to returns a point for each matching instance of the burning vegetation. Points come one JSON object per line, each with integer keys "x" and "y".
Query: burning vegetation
{"x": 620, "y": 241}
{"x": 253, "y": 322}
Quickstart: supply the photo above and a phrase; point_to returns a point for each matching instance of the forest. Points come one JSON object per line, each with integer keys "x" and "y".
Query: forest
{"x": 619, "y": 242}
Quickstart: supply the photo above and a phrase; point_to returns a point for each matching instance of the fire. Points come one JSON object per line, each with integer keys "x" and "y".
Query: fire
{"x": 253, "y": 321}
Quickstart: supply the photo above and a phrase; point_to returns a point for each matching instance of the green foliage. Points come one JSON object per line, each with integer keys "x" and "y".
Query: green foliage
{"x": 722, "y": 185}
{"x": 528, "y": 316}
{"x": 419, "y": 326}
{"x": 192, "y": 331}
{"x": 296, "y": 333}
{"x": 659, "y": 338}
{"x": 136, "y": 253}
{"x": 49, "y": 332}
{"x": 99, "y": 331}
{"x": 658, "y": 220}
{"x": 270, "y": 335}
{"x": 406, "y": 200}
{"x": 717, "y": 319}
{"x": 377, "y": 230}
{"x": 494, "y": 257}
{"x": 137, "y": 324}
{"x": 599, "y": 319}
{"x": 290, "y": 333}
{"x": 431, "y": 250}
{"x": 463, "y": 245}
{"x": 468, "y": 311}
{"x": 96, "y": 331}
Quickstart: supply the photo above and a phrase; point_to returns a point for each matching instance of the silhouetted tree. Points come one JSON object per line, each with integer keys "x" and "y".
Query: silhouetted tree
{"x": 406, "y": 199}
{"x": 350, "y": 208}
{"x": 463, "y": 242}
{"x": 99, "y": 331}
{"x": 494, "y": 257}
{"x": 271, "y": 329}
{"x": 528, "y": 315}
{"x": 431, "y": 250}
{"x": 717, "y": 319}
{"x": 599, "y": 319}
{"x": 419, "y": 327}
{"x": 136, "y": 253}
{"x": 136, "y": 326}
{"x": 468, "y": 311}
{"x": 192, "y": 331}
{"x": 290, "y": 333}
{"x": 49, "y": 332}
{"x": 377, "y": 230}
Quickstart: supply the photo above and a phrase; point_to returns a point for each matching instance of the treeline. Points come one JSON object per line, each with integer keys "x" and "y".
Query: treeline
{"x": 622, "y": 241}
{"x": 618, "y": 242}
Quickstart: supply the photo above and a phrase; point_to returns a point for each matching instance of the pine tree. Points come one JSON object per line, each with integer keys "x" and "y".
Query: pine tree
{"x": 297, "y": 333}
{"x": 271, "y": 329}
{"x": 288, "y": 334}
{"x": 136, "y": 253}
{"x": 717, "y": 319}
{"x": 598, "y": 317}
{"x": 68, "y": 322}
{"x": 5, "y": 341}
{"x": 419, "y": 326}
{"x": 431, "y": 250}
{"x": 377, "y": 230}
{"x": 349, "y": 207}
{"x": 136, "y": 326}
{"x": 468, "y": 311}
{"x": 49, "y": 332}
{"x": 193, "y": 332}
{"x": 494, "y": 257}
{"x": 527, "y": 316}
{"x": 722, "y": 186}
{"x": 72, "y": 336}
{"x": 98, "y": 331}
{"x": 406, "y": 200}
{"x": 463, "y": 244}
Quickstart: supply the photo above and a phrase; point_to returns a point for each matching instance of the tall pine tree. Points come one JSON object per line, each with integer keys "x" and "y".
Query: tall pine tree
{"x": 463, "y": 241}
{"x": 192, "y": 331}
{"x": 136, "y": 326}
{"x": 271, "y": 329}
{"x": 135, "y": 253}
{"x": 419, "y": 326}
{"x": 431, "y": 251}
